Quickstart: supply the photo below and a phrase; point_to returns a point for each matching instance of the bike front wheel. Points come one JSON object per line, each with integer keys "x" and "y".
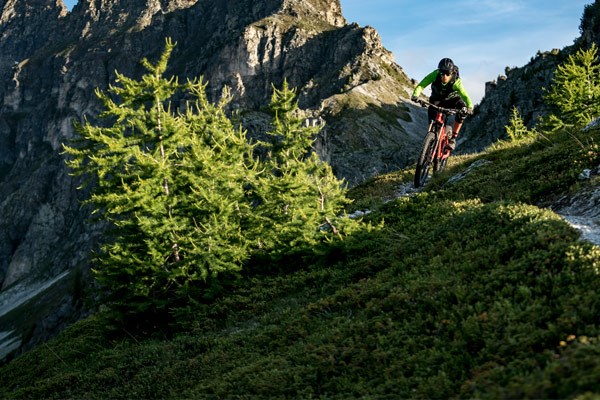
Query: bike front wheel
{"x": 425, "y": 159}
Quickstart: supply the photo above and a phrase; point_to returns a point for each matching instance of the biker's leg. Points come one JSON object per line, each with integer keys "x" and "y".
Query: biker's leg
{"x": 458, "y": 123}
{"x": 454, "y": 136}
{"x": 456, "y": 128}
{"x": 459, "y": 118}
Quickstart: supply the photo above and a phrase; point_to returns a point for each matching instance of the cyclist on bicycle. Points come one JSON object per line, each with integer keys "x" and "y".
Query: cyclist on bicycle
{"x": 446, "y": 91}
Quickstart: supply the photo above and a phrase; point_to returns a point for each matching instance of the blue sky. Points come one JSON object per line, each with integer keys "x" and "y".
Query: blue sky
{"x": 70, "y": 3}
{"x": 481, "y": 36}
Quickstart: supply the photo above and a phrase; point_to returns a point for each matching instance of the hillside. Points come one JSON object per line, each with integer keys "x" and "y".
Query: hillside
{"x": 473, "y": 288}
{"x": 52, "y": 61}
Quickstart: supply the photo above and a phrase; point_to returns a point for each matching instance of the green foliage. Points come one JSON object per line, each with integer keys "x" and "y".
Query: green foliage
{"x": 301, "y": 199}
{"x": 185, "y": 196}
{"x": 393, "y": 315}
{"x": 516, "y": 128}
{"x": 171, "y": 184}
{"x": 469, "y": 291}
{"x": 575, "y": 92}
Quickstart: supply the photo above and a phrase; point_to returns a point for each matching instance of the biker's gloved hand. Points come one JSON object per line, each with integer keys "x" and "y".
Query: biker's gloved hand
{"x": 414, "y": 98}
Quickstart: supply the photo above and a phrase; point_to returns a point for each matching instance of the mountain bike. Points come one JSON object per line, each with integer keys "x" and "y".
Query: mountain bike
{"x": 435, "y": 150}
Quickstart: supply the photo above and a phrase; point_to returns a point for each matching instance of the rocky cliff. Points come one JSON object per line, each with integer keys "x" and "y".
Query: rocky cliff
{"x": 51, "y": 60}
{"x": 521, "y": 87}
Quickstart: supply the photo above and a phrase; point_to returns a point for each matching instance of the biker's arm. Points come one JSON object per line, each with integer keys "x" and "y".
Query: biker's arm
{"x": 428, "y": 80}
{"x": 458, "y": 86}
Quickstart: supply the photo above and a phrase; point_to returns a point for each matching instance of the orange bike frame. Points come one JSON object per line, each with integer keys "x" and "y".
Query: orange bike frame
{"x": 442, "y": 151}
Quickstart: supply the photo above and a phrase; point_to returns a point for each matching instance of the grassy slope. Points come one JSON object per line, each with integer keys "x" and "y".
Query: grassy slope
{"x": 470, "y": 290}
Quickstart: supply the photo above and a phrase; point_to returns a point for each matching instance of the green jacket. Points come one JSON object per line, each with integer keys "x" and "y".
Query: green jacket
{"x": 456, "y": 86}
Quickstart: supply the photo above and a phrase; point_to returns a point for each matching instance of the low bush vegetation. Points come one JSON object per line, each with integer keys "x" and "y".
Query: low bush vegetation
{"x": 470, "y": 289}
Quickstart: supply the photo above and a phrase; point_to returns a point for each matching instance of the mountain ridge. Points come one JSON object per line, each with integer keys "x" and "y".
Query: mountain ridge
{"x": 524, "y": 88}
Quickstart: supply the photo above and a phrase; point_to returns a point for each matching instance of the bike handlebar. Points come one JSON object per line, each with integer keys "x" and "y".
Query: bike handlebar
{"x": 450, "y": 111}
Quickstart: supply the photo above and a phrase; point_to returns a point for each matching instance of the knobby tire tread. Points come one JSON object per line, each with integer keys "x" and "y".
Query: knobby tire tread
{"x": 424, "y": 161}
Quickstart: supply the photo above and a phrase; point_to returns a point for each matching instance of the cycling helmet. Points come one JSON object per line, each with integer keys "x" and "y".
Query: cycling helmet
{"x": 446, "y": 65}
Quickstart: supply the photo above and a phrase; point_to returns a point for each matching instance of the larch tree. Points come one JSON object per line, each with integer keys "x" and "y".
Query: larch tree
{"x": 575, "y": 91}
{"x": 302, "y": 200}
{"x": 172, "y": 183}
{"x": 516, "y": 129}
{"x": 185, "y": 193}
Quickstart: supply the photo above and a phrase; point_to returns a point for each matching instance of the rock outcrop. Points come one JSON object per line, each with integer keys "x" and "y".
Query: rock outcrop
{"x": 52, "y": 60}
{"x": 523, "y": 87}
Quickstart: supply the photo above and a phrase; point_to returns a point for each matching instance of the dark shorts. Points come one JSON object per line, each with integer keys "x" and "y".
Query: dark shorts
{"x": 454, "y": 102}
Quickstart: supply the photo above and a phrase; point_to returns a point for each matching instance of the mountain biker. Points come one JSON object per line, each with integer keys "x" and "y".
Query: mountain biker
{"x": 446, "y": 91}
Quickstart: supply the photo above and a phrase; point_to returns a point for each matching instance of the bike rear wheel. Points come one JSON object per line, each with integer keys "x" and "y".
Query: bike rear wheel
{"x": 425, "y": 159}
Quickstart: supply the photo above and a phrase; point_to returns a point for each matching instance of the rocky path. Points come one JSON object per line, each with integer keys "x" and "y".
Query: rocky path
{"x": 582, "y": 211}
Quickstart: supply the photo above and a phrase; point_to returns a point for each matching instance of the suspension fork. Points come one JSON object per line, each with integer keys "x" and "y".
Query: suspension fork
{"x": 436, "y": 127}
{"x": 440, "y": 120}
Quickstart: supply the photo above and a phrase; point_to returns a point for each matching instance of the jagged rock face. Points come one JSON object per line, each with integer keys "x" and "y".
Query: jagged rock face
{"x": 590, "y": 25}
{"x": 520, "y": 87}
{"x": 52, "y": 60}
{"x": 26, "y": 26}
{"x": 524, "y": 88}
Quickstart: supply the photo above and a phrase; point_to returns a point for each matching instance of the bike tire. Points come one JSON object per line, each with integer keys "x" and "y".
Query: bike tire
{"x": 424, "y": 161}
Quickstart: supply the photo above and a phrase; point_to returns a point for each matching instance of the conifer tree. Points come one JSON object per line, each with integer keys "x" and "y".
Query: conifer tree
{"x": 184, "y": 194}
{"x": 575, "y": 92}
{"x": 172, "y": 184}
{"x": 301, "y": 197}
{"x": 516, "y": 128}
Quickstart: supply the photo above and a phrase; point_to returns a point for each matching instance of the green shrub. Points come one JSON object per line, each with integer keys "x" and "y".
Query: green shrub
{"x": 575, "y": 91}
{"x": 187, "y": 199}
{"x": 516, "y": 128}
